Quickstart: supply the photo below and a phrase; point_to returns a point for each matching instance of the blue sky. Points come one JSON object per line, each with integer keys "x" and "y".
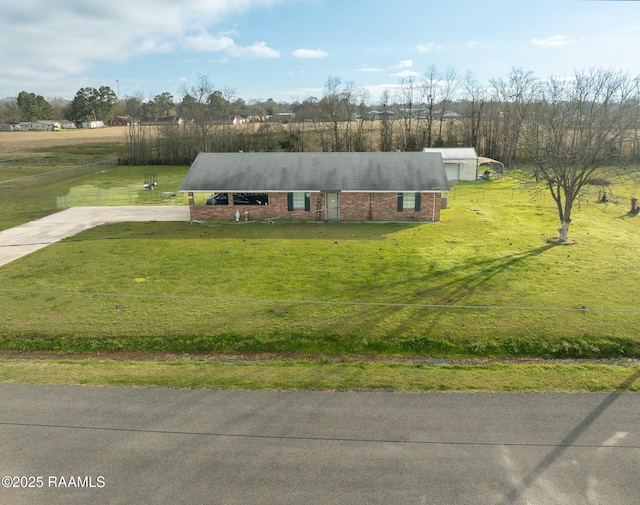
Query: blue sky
{"x": 286, "y": 49}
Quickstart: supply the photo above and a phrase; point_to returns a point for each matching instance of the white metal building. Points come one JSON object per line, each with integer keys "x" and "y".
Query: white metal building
{"x": 461, "y": 163}
{"x": 92, "y": 124}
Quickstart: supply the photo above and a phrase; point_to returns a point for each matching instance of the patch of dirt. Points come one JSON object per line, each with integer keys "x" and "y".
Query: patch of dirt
{"x": 556, "y": 241}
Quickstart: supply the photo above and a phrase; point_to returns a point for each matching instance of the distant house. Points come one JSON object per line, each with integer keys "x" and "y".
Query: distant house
{"x": 48, "y": 125}
{"x": 448, "y": 115}
{"x": 461, "y": 163}
{"x": 282, "y": 117}
{"x": 376, "y": 115}
{"x": 317, "y": 186}
{"x": 10, "y": 126}
{"x": 122, "y": 121}
{"x": 92, "y": 124}
{"x": 162, "y": 121}
{"x": 43, "y": 126}
{"x": 451, "y": 116}
{"x": 237, "y": 120}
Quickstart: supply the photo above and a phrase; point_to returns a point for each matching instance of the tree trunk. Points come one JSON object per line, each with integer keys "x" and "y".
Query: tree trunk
{"x": 564, "y": 230}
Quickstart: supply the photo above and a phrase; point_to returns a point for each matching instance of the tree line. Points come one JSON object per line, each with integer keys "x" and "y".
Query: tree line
{"x": 440, "y": 109}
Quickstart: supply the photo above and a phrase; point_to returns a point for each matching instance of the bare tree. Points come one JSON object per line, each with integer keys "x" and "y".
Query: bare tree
{"x": 577, "y": 126}
{"x": 197, "y": 109}
{"x": 430, "y": 92}
{"x": 635, "y": 146}
{"x": 348, "y": 104}
{"x": 475, "y": 101}
{"x": 410, "y": 97}
{"x": 514, "y": 96}
{"x": 331, "y": 101}
{"x": 361, "y": 143}
{"x": 447, "y": 89}
{"x": 386, "y": 128}
{"x": 9, "y": 110}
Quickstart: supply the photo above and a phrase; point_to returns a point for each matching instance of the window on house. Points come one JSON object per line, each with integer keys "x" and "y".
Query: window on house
{"x": 251, "y": 198}
{"x": 298, "y": 200}
{"x": 408, "y": 201}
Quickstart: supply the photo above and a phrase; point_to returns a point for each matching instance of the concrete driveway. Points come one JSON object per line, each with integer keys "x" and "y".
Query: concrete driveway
{"x": 27, "y": 238}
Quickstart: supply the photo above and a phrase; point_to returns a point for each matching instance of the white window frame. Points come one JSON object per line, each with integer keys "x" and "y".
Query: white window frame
{"x": 408, "y": 201}
{"x": 299, "y": 199}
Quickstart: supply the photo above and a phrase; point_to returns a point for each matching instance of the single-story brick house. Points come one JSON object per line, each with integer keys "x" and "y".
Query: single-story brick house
{"x": 316, "y": 186}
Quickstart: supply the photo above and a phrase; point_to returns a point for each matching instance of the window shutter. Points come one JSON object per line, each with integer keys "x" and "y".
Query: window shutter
{"x": 400, "y": 202}
{"x": 307, "y": 202}
{"x": 289, "y": 202}
{"x": 417, "y": 206}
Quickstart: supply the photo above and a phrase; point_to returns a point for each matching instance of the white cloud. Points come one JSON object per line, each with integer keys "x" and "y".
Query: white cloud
{"x": 405, "y": 64}
{"x": 56, "y": 44}
{"x": 206, "y": 42}
{"x": 422, "y": 48}
{"x": 257, "y": 50}
{"x": 366, "y": 68}
{"x": 406, "y": 73}
{"x": 309, "y": 53}
{"x": 553, "y": 41}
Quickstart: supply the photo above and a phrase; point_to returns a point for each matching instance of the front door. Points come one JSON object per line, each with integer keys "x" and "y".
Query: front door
{"x": 333, "y": 206}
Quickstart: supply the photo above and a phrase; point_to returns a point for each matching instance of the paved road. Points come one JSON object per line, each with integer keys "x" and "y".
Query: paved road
{"x": 27, "y": 238}
{"x": 141, "y": 446}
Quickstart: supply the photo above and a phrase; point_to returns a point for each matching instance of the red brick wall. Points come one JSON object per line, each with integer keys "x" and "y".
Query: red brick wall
{"x": 384, "y": 207}
{"x": 353, "y": 207}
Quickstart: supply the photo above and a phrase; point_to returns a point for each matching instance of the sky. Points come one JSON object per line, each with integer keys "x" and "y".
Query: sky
{"x": 286, "y": 50}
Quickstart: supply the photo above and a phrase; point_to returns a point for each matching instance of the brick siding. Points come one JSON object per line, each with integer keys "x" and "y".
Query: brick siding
{"x": 353, "y": 207}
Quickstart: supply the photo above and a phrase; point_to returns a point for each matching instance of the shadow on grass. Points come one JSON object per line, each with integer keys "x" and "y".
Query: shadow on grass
{"x": 484, "y": 271}
{"x": 515, "y": 495}
{"x": 455, "y": 291}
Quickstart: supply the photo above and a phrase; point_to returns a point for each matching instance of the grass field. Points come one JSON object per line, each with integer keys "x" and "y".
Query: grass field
{"x": 309, "y": 375}
{"x": 483, "y": 282}
{"x": 65, "y": 142}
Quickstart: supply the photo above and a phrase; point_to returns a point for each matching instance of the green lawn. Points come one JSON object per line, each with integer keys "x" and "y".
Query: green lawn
{"x": 308, "y": 375}
{"x": 482, "y": 282}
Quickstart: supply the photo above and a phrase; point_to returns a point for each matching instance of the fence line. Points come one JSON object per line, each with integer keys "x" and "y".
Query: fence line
{"x": 47, "y": 161}
{"x": 588, "y": 195}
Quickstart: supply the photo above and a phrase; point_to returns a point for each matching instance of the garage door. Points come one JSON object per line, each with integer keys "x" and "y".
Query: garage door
{"x": 453, "y": 172}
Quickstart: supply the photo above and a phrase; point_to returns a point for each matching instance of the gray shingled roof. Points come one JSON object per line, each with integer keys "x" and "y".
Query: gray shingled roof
{"x": 279, "y": 172}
